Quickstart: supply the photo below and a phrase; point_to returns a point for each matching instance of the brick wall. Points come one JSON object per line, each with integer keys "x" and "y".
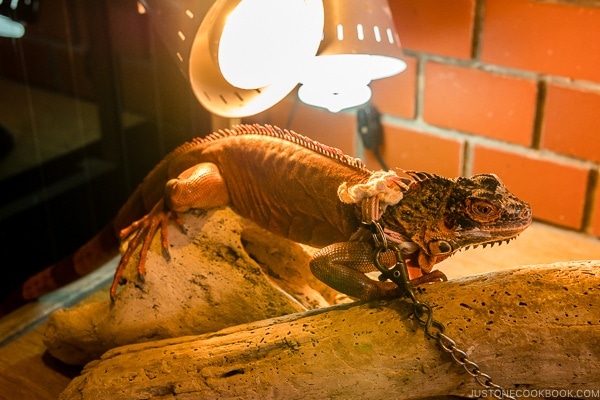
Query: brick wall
{"x": 504, "y": 86}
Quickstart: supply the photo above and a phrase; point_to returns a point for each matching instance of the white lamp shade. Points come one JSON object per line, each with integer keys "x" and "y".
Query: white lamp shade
{"x": 359, "y": 44}
{"x": 247, "y": 54}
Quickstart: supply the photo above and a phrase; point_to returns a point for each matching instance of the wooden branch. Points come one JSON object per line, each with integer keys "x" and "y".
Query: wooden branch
{"x": 534, "y": 328}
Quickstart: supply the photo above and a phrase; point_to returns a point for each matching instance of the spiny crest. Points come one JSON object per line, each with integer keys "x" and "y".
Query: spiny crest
{"x": 417, "y": 177}
{"x": 290, "y": 136}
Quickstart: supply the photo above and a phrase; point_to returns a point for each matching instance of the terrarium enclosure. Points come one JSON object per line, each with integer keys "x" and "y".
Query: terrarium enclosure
{"x": 91, "y": 99}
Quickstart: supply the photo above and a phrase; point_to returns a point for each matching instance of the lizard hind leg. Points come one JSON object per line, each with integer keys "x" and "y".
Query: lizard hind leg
{"x": 200, "y": 186}
{"x": 143, "y": 231}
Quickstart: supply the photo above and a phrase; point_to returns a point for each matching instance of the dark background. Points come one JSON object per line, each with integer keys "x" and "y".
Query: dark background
{"x": 93, "y": 71}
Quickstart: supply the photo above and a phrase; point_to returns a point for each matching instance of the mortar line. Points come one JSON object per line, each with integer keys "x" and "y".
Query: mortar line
{"x": 477, "y": 33}
{"x": 420, "y": 89}
{"x": 540, "y": 108}
{"x": 468, "y": 156}
{"x": 589, "y": 200}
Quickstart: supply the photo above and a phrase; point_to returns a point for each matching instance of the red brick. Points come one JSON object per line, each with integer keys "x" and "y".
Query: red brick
{"x": 540, "y": 36}
{"x": 571, "y": 121}
{"x": 555, "y": 191}
{"x": 434, "y": 26}
{"x": 409, "y": 149}
{"x": 479, "y": 102}
{"x": 595, "y": 226}
{"x": 396, "y": 95}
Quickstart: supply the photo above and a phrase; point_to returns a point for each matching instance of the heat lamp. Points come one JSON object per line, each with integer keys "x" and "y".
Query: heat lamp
{"x": 241, "y": 57}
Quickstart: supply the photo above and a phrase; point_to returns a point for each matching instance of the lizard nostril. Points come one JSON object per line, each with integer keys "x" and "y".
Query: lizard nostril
{"x": 449, "y": 222}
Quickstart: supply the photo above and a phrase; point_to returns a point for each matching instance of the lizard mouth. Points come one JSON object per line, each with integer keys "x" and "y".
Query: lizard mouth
{"x": 443, "y": 247}
{"x": 491, "y": 243}
{"x": 439, "y": 250}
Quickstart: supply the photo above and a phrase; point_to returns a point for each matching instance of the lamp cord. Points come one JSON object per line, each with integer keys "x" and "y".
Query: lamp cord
{"x": 370, "y": 130}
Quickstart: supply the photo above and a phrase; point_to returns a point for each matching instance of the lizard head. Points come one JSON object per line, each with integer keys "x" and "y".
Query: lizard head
{"x": 443, "y": 216}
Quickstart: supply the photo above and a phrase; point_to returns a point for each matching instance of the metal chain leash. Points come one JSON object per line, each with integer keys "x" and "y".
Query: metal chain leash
{"x": 433, "y": 328}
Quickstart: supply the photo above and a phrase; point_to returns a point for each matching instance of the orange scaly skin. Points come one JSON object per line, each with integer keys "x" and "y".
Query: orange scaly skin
{"x": 289, "y": 185}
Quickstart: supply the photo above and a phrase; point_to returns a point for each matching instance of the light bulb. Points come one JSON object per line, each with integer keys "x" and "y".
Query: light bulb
{"x": 339, "y": 81}
{"x": 332, "y": 99}
{"x": 267, "y": 41}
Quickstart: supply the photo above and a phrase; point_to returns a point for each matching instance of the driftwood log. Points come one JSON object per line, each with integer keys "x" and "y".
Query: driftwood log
{"x": 534, "y": 328}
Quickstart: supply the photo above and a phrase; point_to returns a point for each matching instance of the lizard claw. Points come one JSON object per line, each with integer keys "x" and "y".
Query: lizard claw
{"x": 433, "y": 276}
{"x": 143, "y": 231}
{"x": 178, "y": 221}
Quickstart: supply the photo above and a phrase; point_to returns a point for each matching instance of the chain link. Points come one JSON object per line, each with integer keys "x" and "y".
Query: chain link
{"x": 424, "y": 313}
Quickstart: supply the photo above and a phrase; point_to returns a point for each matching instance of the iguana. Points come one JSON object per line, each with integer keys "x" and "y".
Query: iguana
{"x": 309, "y": 193}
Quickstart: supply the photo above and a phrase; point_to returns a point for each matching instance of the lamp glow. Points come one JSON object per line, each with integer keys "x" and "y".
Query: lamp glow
{"x": 266, "y": 41}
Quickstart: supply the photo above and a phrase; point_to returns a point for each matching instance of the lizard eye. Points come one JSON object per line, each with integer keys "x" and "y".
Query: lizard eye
{"x": 482, "y": 210}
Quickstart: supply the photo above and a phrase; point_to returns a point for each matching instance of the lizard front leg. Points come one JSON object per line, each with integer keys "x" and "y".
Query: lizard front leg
{"x": 200, "y": 186}
{"x": 343, "y": 266}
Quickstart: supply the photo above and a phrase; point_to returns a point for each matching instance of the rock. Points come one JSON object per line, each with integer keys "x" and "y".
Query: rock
{"x": 224, "y": 271}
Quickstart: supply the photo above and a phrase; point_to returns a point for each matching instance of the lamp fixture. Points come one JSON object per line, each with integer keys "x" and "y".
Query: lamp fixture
{"x": 243, "y": 56}
{"x": 240, "y": 56}
{"x": 360, "y": 44}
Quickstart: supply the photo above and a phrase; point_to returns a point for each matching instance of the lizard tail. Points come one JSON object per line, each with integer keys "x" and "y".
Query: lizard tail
{"x": 91, "y": 256}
